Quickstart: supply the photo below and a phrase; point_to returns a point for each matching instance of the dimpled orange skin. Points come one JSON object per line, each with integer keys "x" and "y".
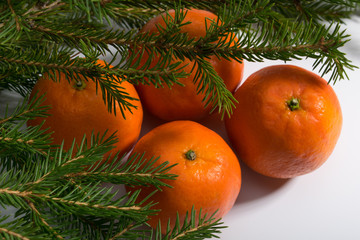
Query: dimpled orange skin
{"x": 210, "y": 182}
{"x": 183, "y": 103}
{"x": 75, "y": 112}
{"x": 275, "y": 141}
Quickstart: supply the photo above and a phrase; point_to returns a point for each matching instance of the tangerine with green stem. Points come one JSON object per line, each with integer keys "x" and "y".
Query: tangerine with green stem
{"x": 209, "y": 175}
{"x": 286, "y": 123}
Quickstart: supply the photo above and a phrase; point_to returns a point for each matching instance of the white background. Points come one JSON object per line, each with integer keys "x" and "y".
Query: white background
{"x": 324, "y": 204}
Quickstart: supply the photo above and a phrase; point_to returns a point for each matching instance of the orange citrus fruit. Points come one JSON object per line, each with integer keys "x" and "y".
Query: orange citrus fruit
{"x": 183, "y": 102}
{"x": 78, "y": 110}
{"x": 209, "y": 175}
{"x": 286, "y": 123}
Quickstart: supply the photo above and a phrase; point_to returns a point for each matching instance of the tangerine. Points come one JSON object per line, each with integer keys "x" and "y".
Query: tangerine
{"x": 183, "y": 102}
{"x": 286, "y": 123}
{"x": 209, "y": 175}
{"x": 77, "y": 110}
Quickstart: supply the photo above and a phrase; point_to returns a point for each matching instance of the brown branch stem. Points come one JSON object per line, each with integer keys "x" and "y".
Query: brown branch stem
{"x": 47, "y": 174}
{"x": 15, "y": 15}
{"x": 189, "y": 231}
{"x": 32, "y": 206}
{"x": 122, "y": 232}
{"x": 45, "y": 65}
{"x": 43, "y": 9}
{"x": 19, "y": 140}
{"x": 81, "y": 174}
{"x": 28, "y": 194}
{"x": 99, "y": 206}
{"x": 118, "y": 71}
{"x": 14, "y": 234}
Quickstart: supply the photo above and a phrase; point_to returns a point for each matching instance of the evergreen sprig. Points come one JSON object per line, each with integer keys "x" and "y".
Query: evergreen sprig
{"x": 50, "y": 183}
{"x": 191, "y": 230}
{"x": 18, "y": 229}
{"x": 316, "y": 11}
{"x": 18, "y": 144}
{"x": 93, "y": 39}
{"x": 28, "y": 109}
{"x": 128, "y": 173}
{"x": 63, "y": 193}
{"x": 55, "y": 195}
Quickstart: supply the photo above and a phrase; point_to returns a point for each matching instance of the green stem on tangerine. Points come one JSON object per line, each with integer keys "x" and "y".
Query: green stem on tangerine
{"x": 190, "y": 155}
{"x": 293, "y": 104}
{"x": 79, "y": 85}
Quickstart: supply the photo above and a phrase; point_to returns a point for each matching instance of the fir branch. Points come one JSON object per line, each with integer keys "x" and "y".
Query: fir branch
{"x": 43, "y": 8}
{"x": 206, "y": 227}
{"x": 244, "y": 14}
{"x": 316, "y": 11}
{"x": 19, "y": 140}
{"x": 85, "y": 227}
{"x": 161, "y": 5}
{"x": 37, "y": 214}
{"x": 20, "y": 83}
{"x": 19, "y": 144}
{"x": 100, "y": 207}
{"x": 14, "y": 15}
{"x": 286, "y": 41}
{"x": 151, "y": 8}
{"x": 293, "y": 41}
{"x": 13, "y": 140}
{"x": 32, "y": 63}
{"x": 130, "y": 18}
{"x": 136, "y": 170}
{"x": 204, "y": 47}
{"x": 90, "y": 227}
{"x": 59, "y": 163}
{"x": 13, "y": 198}
{"x": 128, "y": 230}
{"x": 13, "y": 234}
{"x": 122, "y": 232}
{"x": 239, "y": 16}
{"x": 27, "y": 109}
{"x": 77, "y": 197}
{"x": 235, "y": 17}
{"x": 14, "y": 192}
{"x": 46, "y": 175}
{"x": 216, "y": 94}
{"x": 93, "y": 206}
{"x": 59, "y": 61}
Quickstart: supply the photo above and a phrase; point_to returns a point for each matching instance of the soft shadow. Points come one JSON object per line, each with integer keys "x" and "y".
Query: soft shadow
{"x": 149, "y": 122}
{"x": 215, "y": 123}
{"x": 255, "y": 185}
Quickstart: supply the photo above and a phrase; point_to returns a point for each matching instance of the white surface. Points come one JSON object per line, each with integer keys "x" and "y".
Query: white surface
{"x": 322, "y": 205}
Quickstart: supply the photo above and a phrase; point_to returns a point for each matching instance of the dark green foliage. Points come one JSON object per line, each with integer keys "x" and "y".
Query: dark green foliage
{"x": 207, "y": 227}
{"x": 47, "y": 35}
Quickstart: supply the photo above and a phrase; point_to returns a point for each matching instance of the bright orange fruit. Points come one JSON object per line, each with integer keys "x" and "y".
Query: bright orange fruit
{"x": 209, "y": 175}
{"x": 183, "y": 103}
{"x": 76, "y": 111}
{"x": 286, "y": 123}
